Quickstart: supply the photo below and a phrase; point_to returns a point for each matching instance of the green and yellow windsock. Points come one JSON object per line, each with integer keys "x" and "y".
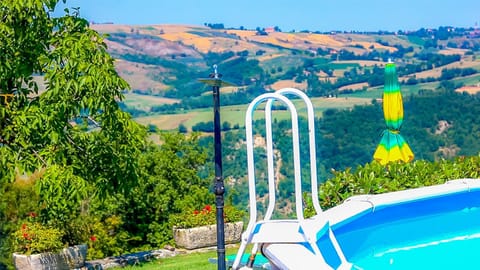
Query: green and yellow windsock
{"x": 392, "y": 146}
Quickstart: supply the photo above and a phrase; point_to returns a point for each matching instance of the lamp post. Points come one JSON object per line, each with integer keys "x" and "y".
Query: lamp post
{"x": 215, "y": 81}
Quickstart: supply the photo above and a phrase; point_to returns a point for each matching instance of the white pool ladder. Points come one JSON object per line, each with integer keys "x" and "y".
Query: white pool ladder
{"x": 277, "y": 236}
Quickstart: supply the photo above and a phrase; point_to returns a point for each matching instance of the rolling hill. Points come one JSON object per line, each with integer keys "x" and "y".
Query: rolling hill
{"x": 163, "y": 62}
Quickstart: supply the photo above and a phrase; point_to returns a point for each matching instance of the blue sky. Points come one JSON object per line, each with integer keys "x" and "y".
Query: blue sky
{"x": 321, "y": 15}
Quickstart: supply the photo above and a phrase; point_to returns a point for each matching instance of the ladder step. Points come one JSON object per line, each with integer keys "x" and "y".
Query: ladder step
{"x": 289, "y": 231}
{"x": 294, "y": 257}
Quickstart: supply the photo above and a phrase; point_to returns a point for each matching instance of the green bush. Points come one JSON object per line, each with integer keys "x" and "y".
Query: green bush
{"x": 61, "y": 194}
{"x": 106, "y": 237}
{"x": 18, "y": 201}
{"x": 33, "y": 237}
{"x": 190, "y": 218}
{"x": 373, "y": 178}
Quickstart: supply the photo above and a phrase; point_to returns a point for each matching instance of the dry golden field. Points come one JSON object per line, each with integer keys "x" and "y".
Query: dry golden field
{"x": 166, "y": 122}
{"x": 437, "y": 72}
{"x": 363, "y": 63}
{"x": 470, "y": 89}
{"x": 451, "y": 51}
{"x": 288, "y": 83}
{"x": 355, "y": 86}
{"x": 138, "y": 75}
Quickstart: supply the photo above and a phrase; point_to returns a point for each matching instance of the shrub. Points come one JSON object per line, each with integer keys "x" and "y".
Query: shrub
{"x": 106, "y": 238}
{"x": 373, "y": 178}
{"x": 33, "y": 237}
{"x": 207, "y": 216}
{"x": 18, "y": 200}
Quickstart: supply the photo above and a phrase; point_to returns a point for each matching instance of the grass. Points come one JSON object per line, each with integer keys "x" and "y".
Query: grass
{"x": 342, "y": 65}
{"x": 416, "y": 40}
{"x": 180, "y": 262}
{"x": 191, "y": 261}
{"x": 469, "y": 80}
{"x": 282, "y": 61}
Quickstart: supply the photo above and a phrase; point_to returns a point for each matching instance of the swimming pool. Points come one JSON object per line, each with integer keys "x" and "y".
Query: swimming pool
{"x": 435, "y": 227}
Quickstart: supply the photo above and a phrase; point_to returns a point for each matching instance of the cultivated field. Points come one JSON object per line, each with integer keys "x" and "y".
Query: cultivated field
{"x": 288, "y": 83}
{"x": 139, "y": 76}
{"x": 145, "y": 102}
{"x": 466, "y": 62}
{"x": 235, "y": 115}
{"x": 472, "y": 90}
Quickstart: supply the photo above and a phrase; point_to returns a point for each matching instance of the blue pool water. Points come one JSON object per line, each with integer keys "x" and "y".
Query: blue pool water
{"x": 442, "y": 232}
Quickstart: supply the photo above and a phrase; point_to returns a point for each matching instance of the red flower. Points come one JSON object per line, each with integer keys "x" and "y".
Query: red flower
{"x": 24, "y": 226}
{"x": 207, "y": 208}
{"x": 93, "y": 238}
{"x": 32, "y": 214}
{"x": 196, "y": 212}
{"x": 25, "y": 235}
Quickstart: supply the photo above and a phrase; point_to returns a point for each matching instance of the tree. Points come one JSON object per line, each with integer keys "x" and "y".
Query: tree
{"x": 182, "y": 128}
{"x": 76, "y": 122}
{"x": 170, "y": 183}
{"x": 72, "y": 134}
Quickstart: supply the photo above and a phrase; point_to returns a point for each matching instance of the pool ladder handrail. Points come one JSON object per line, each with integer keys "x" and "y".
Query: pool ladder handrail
{"x": 298, "y": 230}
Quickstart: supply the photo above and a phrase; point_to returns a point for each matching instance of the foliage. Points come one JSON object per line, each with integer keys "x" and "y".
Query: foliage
{"x": 37, "y": 131}
{"x": 33, "y": 237}
{"x": 208, "y": 127}
{"x": 106, "y": 237}
{"x": 73, "y": 136}
{"x": 17, "y": 201}
{"x": 206, "y": 216}
{"x": 212, "y": 58}
{"x": 373, "y": 178}
{"x": 61, "y": 192}
{"x": 171, "y": 181}
{"x": 348, "y": 138}
{"x": 361, "y": 127}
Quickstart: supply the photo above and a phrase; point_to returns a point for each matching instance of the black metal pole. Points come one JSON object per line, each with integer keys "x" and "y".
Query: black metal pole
{"x": 219, "y": 185}
{"x": 216, "y": 83}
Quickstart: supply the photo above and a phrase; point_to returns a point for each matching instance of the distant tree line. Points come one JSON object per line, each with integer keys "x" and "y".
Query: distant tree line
{"x": 208, "y": 127}
{"x": 215, "y": 25}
